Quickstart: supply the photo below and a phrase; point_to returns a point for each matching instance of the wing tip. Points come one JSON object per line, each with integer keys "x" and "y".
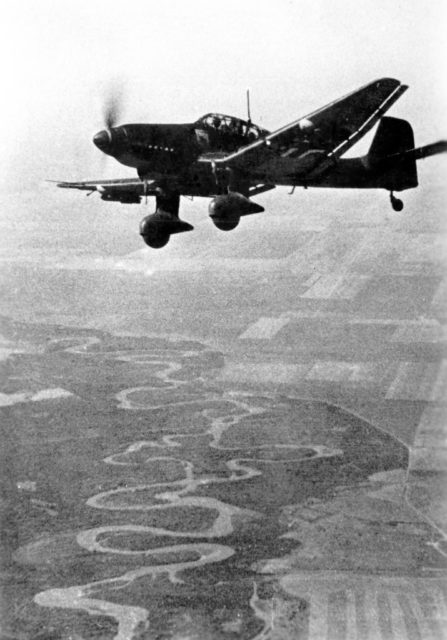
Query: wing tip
{"x": 388, "y": 80}
{"x": 58, "y": 183}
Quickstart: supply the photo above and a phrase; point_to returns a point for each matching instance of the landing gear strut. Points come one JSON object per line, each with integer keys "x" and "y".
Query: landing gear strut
{"x": 397, "y": 204}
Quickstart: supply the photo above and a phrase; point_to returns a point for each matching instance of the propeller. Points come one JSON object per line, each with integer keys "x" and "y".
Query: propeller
{"x": 112, "y": 107}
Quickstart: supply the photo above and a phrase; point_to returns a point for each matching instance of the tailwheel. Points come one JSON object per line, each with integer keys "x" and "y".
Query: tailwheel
{"x": 397, "y": 204}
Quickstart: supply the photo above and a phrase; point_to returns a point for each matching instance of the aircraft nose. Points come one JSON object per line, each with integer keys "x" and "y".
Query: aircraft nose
{"x": 102, "y": 140}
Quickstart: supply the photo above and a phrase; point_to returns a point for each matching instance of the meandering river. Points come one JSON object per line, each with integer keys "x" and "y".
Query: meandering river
{"x": 162, "y": 497}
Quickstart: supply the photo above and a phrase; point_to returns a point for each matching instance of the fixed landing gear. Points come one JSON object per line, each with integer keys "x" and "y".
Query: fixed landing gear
{"x": 157, "y": 228}
{"x": 397, "y": 204}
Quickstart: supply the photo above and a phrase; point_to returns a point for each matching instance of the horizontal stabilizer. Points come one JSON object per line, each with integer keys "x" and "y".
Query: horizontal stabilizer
{"x": 419, "y": 153}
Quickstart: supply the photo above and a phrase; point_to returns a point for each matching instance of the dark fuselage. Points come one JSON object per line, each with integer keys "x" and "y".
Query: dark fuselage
{"x": 182, "y": 156}
{"x": 173, "y": 150}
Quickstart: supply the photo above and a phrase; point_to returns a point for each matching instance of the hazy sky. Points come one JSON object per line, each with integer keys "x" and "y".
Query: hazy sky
{"x": 179, "y": 59}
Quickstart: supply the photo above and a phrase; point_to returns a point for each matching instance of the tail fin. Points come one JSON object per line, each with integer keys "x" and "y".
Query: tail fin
{"x": 392, "y": 154}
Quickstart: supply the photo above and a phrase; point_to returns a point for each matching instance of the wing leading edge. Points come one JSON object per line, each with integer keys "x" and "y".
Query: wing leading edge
{"x": 122, "y": 184}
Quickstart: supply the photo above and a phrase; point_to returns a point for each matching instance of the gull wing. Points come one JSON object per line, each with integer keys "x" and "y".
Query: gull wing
{"x": 125, "y": 190}
{"x": 129, "y": 185}
{"x": 314, "y": 142}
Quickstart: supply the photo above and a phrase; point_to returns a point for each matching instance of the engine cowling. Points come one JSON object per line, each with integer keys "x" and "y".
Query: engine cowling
{"x": 226, "y": 210}
{"x": 156, "y": 228}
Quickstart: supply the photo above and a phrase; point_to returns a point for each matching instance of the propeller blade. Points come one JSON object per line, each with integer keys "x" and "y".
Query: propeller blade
{"x": 113, "y": 107}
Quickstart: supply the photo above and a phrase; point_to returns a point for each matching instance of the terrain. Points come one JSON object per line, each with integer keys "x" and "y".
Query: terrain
{"x": 240, "y": 437}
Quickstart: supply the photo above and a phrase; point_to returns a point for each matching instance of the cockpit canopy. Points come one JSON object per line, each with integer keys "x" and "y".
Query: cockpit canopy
{"x": 231, "y": 125}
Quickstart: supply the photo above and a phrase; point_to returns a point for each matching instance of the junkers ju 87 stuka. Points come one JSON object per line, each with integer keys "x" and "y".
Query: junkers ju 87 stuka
{"x": 232, "y": 160}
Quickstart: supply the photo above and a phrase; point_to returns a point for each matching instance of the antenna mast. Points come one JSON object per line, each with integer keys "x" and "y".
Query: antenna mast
{"x": 248, "y": 106}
